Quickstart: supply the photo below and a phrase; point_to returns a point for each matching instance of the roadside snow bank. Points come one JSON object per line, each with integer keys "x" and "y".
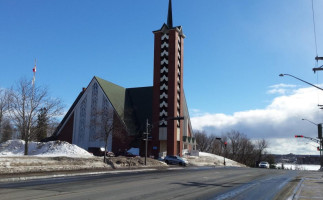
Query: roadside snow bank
{"x": 306, "y": 167}
{"x": 47, "y": 149}
{"x": 32, "y": 164}
{"x": 208, "y": 159}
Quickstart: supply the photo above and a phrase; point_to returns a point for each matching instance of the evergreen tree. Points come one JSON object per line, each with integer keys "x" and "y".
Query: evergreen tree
{"x": 7, "y": 131}
{"x": 42, "y": 124}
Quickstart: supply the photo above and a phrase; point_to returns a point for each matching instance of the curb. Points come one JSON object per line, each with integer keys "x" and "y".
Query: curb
{"x": 26, "y": 177}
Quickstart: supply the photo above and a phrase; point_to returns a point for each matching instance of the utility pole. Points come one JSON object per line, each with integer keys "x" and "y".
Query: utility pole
{"x": 146, "y": 142}
{"x": 319, "y": 136}
{"x": 318, "y": 68}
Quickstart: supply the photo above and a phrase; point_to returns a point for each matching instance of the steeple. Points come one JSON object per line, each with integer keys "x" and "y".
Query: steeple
{"x": 168, "y": 94}
{"x": 170, "y": 15}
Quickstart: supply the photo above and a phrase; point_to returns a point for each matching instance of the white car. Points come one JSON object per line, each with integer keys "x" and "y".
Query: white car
{"x": 264, "y": 164}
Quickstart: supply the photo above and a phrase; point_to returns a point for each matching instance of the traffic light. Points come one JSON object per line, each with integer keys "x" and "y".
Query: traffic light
{"x": 225, "y": 144}
{"x": 299, "y": 136}
{"x": 319, "y": 131}
{"x": 318, "y": 148}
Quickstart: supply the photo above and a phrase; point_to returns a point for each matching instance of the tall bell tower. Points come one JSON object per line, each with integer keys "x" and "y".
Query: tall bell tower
{"x": 167, "y": 134}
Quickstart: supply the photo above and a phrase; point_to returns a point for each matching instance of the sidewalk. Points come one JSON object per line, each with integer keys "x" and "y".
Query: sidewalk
{"x": 310, "y": 186}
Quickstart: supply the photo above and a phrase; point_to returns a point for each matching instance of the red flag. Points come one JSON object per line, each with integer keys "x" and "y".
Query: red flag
{"x": 34, "y": 69}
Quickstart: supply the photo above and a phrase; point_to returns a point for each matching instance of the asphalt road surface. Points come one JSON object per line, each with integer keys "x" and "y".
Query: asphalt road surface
{"x": 181, "y": 183}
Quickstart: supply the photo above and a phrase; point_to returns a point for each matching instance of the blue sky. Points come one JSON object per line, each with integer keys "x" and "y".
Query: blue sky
{"x": 234, "y": 50}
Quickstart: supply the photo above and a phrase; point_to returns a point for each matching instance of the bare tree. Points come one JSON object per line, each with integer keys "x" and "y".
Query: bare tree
{"x": 239, "y": 147}
{"x": 202, "y": 141}
{"x": 3, "y": 106}
{"x": 25, "y": 102}
{"x": 261, "y": 145}
{"x": 111, "y": 126}
{"x": 235, "y": 138}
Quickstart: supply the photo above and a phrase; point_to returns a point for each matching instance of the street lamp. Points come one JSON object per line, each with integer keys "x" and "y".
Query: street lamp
{"x": 301, "y": 80}
{"x": 319, "y": 128}
{"x": 310, "y": 121}
{"x": 151, "y": 125}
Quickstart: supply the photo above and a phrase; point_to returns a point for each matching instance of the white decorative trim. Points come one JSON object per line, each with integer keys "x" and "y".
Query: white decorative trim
{"x": 165, "y": 44}
{"x": 165, "y": 36}
{"x": 94, "y": 101}
{"x": 163, "y": 113}
{"x": 164, "y": 95}
{"x": 164, "y": 70}
{"x": 163, "y": 78}
{"x": 163, "y": 104}
{"x": 164, "y": 86}
{"x": 164, "y": 53}
{"x": 163, "y": 122}
{"x": 164, "y": 61}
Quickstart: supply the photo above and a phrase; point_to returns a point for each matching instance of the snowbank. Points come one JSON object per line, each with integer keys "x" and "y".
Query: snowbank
{"x": 305, "y": 167}
{"x": 208, "y": 159}
{"x": 47, "y": 149}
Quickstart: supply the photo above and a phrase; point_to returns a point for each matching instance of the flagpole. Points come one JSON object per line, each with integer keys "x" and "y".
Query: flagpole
{"x": 34, "y": 71}
{"x": 31, "y": 106}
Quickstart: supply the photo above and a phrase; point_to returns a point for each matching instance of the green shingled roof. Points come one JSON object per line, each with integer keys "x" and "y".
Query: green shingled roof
{"x": 115, "y": 93}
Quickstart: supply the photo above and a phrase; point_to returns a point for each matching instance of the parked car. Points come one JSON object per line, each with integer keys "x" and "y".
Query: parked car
{"x": 100, "y": 151}
{"x": 264, "y": 164}
{"x": 175, "y": 160}
{"x": 128, "y": 154}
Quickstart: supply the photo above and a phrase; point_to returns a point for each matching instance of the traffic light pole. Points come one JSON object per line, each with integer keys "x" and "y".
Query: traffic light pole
{"x": 146, "y": 142}
{"x": 321, "y": 158}
{"x": 320, "y": 142}
{"x": 224, "y": 145}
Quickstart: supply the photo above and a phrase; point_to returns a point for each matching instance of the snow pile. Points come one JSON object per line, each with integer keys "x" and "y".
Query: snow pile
{"x": 306, "y": 167}
{"x": 208, "y": 159}
{"x": 47, "y": 149}
{"x": 32, "y": 164}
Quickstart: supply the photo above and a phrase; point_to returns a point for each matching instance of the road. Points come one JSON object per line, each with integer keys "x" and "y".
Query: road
{"x": 180, "y": 183}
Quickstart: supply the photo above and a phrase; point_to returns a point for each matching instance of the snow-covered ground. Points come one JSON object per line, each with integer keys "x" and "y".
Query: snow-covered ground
{"x": 208, "y": 159}
{"x": 47, "y": 149}
{"x": 46, "y": 156}
{"x": 62, "y": 156}
{"x": 305, "y": 167}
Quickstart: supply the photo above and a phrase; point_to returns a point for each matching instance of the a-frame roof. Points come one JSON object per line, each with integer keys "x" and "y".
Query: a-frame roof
{"x": 115, "y": 93}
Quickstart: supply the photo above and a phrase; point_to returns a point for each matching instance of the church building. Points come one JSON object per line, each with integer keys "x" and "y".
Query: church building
{"x": 103, "y": 105}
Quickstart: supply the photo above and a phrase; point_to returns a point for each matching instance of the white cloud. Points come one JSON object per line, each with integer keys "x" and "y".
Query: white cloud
{"x": 282, "y": 85}
{"x": 280, "y": 120}
{"x": 280, "y": 88}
